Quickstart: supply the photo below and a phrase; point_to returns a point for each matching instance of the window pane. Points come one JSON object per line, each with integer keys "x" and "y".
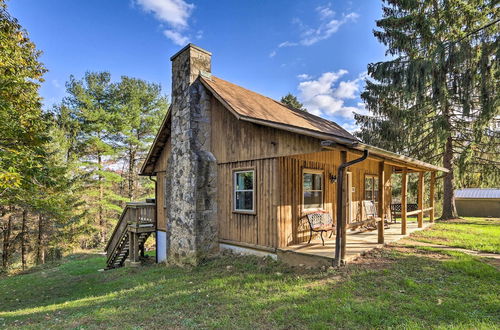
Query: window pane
{"x": 317, "y": 182}
{"x": 368, "y": 183}
{"x": 375, "y": 183}
{"x": 375, "y": 195}
{"x": 244, "y": 200}
{"x": 308, "y": 181}
{"x": 368, "y": 195}
{"x": 244, "y": 180}
{"x": 313, "y": 199}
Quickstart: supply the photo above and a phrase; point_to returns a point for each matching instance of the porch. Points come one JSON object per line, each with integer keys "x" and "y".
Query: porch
{"x": 357, "y": 244}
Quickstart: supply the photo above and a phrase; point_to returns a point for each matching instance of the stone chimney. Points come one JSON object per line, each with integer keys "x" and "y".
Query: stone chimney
{"x": 191, "y": 178}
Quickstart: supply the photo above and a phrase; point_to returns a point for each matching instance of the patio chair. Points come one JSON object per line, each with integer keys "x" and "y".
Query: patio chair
{"x": 320, "y": 222}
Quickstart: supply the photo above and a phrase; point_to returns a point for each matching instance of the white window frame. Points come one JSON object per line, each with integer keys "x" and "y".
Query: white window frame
{"x": 374, "y": 179}
{"x": 235, "y": 191}
{"x": 314, "y": 171}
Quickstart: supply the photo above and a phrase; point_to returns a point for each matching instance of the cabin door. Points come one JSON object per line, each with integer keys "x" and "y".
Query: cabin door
{"x": 349, "y": 198}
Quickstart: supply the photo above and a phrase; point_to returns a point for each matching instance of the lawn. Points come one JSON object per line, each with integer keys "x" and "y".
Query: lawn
{"x": 396, "y": 287}
{"x": 479, "y": 234}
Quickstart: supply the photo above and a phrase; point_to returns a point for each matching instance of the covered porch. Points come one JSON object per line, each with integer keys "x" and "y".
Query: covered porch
{"x": 357, "y": 243}
{"x": 354, "y": 189}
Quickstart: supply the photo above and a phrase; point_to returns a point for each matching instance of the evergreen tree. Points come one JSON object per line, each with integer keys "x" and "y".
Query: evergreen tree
{"x": 437, "y": 96}
{"x": 91, "y": 112}
{"x": 142, "y": 107}
{"x": 292, "y": 101}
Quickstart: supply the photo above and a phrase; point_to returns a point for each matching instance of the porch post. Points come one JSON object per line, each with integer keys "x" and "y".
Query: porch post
{"x": 420, "y": 216}
{"x": 381, "y": 201}
{"x": 343, "y": 159}
{"x": 433, "y": 181}
{"x": 131, "y": 244}
{"x": 404, "y": 184}
{"x": 136, "y": 261}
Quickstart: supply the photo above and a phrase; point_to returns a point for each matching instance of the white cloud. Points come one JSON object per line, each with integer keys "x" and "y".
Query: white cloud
{"x": 303, "y": 76}
{"x": 287, "y": 44}
{"x": 347, "y": 89}
{"x": 350, "y": 127}
{"x": 176, "y": 37}
{"x": 325, "y": 30}
{"x": 326, "y": 95}
{"x": 272, "y": 54}
{"x": 175, "y": 13}
{"x": 325, "y": 11}
{"x": 328, "y": 26}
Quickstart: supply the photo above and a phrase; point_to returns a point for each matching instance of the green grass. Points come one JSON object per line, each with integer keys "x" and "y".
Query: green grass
{"x": 477, "y": 234}
{"x": 400, "y": 288}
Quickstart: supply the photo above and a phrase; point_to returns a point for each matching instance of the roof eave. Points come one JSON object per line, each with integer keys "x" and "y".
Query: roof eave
{"x": 144, "y": 168}
{"x": 401, "y": 158}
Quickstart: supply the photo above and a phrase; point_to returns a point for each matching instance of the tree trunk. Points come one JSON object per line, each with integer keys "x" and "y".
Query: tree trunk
{"x": 6, "y": 243}
{"x": 40, "y": 248}
{"x": 102, "y": 225}
{"x": 23, "y": 239}
{"x": 449, "y": 210}
{"x": 131, "y": 172}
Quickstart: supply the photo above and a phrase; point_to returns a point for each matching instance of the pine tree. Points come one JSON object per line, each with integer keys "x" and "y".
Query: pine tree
{"x": 292, "y": 101}
{"x": 437, "y": 96}
{"x": 142, "y": 107}
{"x": 90, "y": 111}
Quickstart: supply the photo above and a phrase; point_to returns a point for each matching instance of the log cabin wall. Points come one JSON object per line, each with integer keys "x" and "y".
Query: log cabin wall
{"x": 292, "y": 224}
{"x": 278, "y": 158}
{"x": 237, "y": 140}
{"x": 160, "y": 169}
{"x": 258, "y": 229}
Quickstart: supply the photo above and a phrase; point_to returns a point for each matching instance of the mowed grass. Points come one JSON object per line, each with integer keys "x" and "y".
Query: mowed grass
{"x": 396, "y": 287}
{"x": 479, "y": 234}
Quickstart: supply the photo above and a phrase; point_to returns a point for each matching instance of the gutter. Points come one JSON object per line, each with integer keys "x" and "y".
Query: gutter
{"x": 340, "y": 235}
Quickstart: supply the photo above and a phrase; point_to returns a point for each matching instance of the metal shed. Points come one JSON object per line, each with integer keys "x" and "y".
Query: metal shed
{"x": 478, "y": 202}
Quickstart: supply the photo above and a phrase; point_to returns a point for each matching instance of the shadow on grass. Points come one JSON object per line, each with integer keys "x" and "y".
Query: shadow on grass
{"x": 418, "y": 289}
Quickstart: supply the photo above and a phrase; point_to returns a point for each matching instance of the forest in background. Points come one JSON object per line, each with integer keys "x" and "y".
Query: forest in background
{"x": 67, "y": 172}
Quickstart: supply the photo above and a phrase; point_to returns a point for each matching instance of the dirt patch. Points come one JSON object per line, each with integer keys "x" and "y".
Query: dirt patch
{"x": 374, "y": 259}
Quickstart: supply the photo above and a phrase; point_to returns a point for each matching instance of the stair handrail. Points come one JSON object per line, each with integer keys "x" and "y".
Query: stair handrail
{"x": 126, "y": 218}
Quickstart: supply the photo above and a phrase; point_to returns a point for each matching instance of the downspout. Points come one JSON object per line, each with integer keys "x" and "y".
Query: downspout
{"x": 340, "y": 222}
{"x": 156, "y": 217}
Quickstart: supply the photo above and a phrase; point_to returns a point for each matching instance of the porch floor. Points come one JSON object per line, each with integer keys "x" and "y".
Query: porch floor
{"x": 357, "y": 244}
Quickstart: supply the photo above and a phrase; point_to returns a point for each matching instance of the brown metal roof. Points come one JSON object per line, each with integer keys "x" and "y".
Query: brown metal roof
{"x": 250, "y": 105}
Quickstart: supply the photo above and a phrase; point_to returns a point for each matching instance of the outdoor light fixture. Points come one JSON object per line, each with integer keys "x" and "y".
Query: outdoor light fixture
{"x": 333, "y": 178}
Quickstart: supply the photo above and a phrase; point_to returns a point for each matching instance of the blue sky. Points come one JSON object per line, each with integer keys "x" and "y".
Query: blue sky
{"x": 317, "y": 50}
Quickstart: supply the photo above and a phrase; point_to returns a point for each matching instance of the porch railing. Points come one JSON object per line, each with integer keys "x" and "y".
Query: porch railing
{"x": 135, "y": 214}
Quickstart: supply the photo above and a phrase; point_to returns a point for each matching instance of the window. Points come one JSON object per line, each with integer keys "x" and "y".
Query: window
{"x": 371, "y": 188}
{"x": 312, "y": 187}
{"x": 244, "y": 191}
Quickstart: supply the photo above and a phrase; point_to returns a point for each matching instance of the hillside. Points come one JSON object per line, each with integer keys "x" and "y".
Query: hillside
{"x": 399, "y": 287}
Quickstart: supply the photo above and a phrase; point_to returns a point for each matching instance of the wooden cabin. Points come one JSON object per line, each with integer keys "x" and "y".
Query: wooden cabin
{"x": 238, "y": 170}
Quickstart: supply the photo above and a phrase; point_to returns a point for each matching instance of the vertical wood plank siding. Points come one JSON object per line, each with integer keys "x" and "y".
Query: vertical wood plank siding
{"x": 234, "y": 140}
{"x": 291, "y": 221}
{"x": 256, "y": 229}
{"x": 160, "y": 168}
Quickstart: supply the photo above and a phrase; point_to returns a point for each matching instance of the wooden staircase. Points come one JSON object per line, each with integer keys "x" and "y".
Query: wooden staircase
{"x": 136, "y": 224}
